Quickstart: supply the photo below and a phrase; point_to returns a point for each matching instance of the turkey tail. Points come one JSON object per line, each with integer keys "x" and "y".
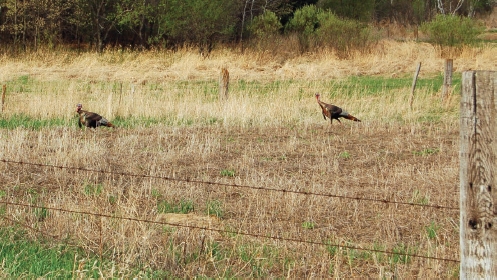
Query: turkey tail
{"x": 105, "y": 122}
{"x": 352, "y": 118}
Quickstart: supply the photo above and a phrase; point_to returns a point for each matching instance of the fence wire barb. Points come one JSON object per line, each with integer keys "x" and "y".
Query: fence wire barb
{"x": 228, "y": 232}
{"x": 377, "y": 200}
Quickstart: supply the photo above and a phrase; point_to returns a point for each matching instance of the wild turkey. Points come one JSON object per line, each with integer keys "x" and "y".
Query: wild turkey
{"x": 334, "y": 112}
{"x": 90, "y": 119}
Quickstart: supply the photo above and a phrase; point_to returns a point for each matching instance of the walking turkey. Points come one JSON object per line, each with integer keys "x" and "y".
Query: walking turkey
{"x": 334, "y": 112}
{"x": 90, "y": 119}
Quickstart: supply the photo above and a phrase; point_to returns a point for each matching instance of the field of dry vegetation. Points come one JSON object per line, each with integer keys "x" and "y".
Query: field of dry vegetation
{"x": 286, "y": 194}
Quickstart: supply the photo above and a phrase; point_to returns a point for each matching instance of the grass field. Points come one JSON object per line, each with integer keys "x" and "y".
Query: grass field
{"x": 287, "y": 194}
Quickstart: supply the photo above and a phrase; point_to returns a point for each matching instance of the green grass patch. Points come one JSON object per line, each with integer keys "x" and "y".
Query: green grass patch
{"x": 112, "y": 199}
{"x": 215, "y": 208}
{"x": 354, "y": 255}
{"x": 29, "y": 122}
{"x": 23, "y": 84}
{"x": 260, "y": 258}
{"x": 183, "y": 207}
{"x": 345, "y": 154}
{"x": 431, "y": 230}
{"x": 41, "y": 213}
{"x": 418, "y": 198}
{"x": 308, "y": 225}
{"x": 29, "y": 258}
{"x": 93, "y": 190}
{"x": 332, "y": 250}
{"x": 377, "y": 85}
{"x": 32, "y": 259}
{"x": 228, "y": 173}
{"x": 401, "y": 254}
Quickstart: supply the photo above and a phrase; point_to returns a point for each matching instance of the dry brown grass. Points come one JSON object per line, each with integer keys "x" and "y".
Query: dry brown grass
{"x": 272, "y": 139}
{"x": 388, "y": 58}
{"x": 384, "y": 163}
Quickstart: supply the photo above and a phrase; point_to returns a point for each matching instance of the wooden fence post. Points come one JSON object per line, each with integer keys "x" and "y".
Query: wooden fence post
{"x": 414, "y": 80}
{"x": 4, "y": 91}
{"x": 224, "y": 80}
{"x": 447, "y": 78}
{"x": 477, "y": 174}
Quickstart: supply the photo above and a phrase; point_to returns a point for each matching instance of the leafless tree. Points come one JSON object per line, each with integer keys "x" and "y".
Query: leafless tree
{"x": 441, "y": 7}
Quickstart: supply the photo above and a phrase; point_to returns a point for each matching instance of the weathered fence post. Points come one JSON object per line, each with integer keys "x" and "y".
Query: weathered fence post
{"x": 414, "y": 80}
{"x": 477, "y": 174}
{"x": 4, "y": 90}
{"x": 224, "y": 80}
{"x": 447, "y": 78}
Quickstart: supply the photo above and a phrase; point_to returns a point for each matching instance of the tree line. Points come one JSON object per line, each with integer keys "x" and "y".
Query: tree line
{"x": 144, "y": 24}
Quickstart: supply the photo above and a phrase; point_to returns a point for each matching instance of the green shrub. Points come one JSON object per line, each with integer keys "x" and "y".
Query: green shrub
{"x": 264, "y": 25}
{"x": 304, "y": 23}
{"x": 319, "y": 28}
{"x": 344, "y": 35}
{"x": 264, "y": 31}
{"x": 452, "y": 30}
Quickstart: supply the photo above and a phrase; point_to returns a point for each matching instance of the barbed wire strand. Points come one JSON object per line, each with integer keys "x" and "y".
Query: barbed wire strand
{"x": 229, "y": 232}
{"x": 232, "y": 185}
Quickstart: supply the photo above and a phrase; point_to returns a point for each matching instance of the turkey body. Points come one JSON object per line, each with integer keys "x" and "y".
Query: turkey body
{"x": 90, "y": 119}
{"x": 334, "y": 112}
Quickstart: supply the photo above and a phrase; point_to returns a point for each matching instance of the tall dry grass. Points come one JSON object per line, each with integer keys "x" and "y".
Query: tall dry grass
{"x": 155, "y": 84}
{"x": 270, "y": 134}
{"x": 255, "y": 104}
{"x": 389, "y": 58}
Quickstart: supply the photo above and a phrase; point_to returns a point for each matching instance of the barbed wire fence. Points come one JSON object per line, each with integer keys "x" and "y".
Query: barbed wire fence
{"x": 230, "y": 185}
{"x": 222, "y": 231}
